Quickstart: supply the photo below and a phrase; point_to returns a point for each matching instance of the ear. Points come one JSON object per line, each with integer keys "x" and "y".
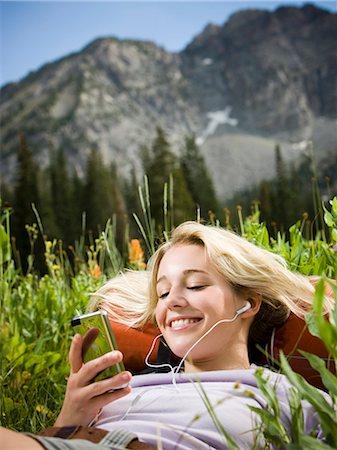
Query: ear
{"x": 255, "y": 301}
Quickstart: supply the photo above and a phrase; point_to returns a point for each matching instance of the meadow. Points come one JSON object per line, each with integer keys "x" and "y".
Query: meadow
{"x": 36, "y": 313}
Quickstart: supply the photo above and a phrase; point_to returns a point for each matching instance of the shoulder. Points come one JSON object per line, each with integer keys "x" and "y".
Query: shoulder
{"x": 246, "y": 377}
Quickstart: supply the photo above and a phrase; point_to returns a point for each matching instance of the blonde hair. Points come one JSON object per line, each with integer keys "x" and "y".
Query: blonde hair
{"x": 248, "y": 269}
{"x": 125, "y": 298}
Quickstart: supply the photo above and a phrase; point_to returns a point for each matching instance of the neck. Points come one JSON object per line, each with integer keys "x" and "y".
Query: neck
{"x": 239, "y": 361}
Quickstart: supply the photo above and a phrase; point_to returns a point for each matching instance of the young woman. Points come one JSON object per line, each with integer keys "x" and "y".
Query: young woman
{"x": 213, "y": 296}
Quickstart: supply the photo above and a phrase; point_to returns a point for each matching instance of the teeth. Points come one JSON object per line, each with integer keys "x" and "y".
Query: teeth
{"x": 181, "y": 322}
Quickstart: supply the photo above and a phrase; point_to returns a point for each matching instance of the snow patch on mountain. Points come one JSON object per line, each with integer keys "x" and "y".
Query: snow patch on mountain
{"x": 216, "y": 118}
{"x": 207, "y": 61}
{"x": 302, "y": 145}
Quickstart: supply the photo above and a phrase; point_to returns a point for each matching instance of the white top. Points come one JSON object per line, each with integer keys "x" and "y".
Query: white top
{"x": 173, "y": 416}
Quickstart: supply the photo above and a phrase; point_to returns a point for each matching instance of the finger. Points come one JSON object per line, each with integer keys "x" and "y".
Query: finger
{"x": 118, "y": 382}
{"x": 88, "y": 339}
{"x": 104, "y": 399}
{"x": 75, "y": 354}
{"x": 90, "y": 369}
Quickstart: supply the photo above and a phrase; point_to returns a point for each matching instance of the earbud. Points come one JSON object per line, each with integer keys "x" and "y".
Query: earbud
{"x": 176, "y": 369}
{"x": 244, "y": 308}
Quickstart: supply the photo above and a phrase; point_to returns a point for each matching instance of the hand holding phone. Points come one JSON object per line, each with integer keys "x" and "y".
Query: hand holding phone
{"x": 101, "y": 379}
{"x": 98, "y": 339}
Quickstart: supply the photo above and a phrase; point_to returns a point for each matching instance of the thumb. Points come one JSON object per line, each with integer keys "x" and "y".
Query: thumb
{"x": 75, "y": 353}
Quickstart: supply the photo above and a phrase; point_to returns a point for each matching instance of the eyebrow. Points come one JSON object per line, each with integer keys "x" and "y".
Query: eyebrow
{"x": 185, "y": 272}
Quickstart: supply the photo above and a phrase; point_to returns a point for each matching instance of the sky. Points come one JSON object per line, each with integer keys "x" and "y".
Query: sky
{"x": 33, "y": 33}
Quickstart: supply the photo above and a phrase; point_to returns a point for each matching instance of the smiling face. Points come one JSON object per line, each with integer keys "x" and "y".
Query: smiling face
{"x": 193, "y": 296}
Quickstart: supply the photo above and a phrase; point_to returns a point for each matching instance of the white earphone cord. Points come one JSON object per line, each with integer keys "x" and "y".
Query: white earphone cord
{"x": 176, "y": 369}
{"x": 155, "y": 366}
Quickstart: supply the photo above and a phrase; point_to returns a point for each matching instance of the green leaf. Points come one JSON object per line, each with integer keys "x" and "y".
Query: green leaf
{"x": 311, "y": 443}
{"x": 210, "y": 409}
{"x": 8, "y": 404}
{"x": 328, "y": 219}
{"x": 334, "y": 234}
{"x": 5, "y": 248}
{"x": 268, "y": 391}
{"x": 325, "y": 410}
{"x": 333, "y": 204}
{"x": 273, "y": 430}
{"x": 297, "y": 418}
{"x": 310, "y": 319}
{"x": 328, "y": 378}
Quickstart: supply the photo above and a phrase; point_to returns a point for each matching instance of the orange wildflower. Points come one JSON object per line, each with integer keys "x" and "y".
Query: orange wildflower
{"x": 136, "y": 255}
{"x": 96, "y": 271}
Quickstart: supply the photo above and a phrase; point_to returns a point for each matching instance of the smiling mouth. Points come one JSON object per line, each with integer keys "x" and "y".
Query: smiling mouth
{"x": 180, "y": 323}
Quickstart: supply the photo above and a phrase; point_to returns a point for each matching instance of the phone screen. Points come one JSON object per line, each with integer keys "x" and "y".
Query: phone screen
{"x": 98, "y": 339}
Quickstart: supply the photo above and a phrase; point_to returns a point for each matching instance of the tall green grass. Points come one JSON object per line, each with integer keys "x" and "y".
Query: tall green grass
{"x": 274, "y": 432}
{"x": 36, "y": 311}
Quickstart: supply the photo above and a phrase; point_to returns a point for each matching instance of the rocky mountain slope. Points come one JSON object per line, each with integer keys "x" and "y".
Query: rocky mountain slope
{"x": 260, "y": 79}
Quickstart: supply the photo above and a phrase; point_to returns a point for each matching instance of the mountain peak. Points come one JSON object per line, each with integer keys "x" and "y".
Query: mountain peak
{"x": 210, "y": 30}
{"x": 261, "y": 77}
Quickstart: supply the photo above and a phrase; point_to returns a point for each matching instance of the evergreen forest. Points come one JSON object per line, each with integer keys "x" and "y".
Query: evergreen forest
{"x": 68, "y": 208}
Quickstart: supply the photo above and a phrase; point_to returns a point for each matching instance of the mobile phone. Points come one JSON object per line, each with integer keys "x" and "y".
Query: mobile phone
{"x": 98, "y": 339}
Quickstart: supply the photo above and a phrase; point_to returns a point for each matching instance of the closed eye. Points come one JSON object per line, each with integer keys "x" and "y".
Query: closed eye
{"x": 163, "y": 295}
{"x": 197, "y": 288}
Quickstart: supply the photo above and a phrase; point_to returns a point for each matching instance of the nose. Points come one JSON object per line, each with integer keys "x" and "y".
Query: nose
{"x": 176, "y": 298}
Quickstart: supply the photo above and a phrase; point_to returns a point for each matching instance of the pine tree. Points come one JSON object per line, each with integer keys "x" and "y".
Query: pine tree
{"x": 266, "y": 200}
{"x": 97, "y": 193}
{"x": 78, "y": 206}
{"x": 159, "y": 165}
{"x": 103, "y": 197}
{"x": 119, "y": 207}
{"x": 6, "y": 195}
{"x": 183, "y": 206}
{"x": 25, "y": 194}
{"x": 46, "y": 208}
{"x": 282, "y": 203}
{"x": 198, "y": 179}
{"x": 61, "y": 195}
{"x": 130, "y": 193}
{"x": 26, "y": 189}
